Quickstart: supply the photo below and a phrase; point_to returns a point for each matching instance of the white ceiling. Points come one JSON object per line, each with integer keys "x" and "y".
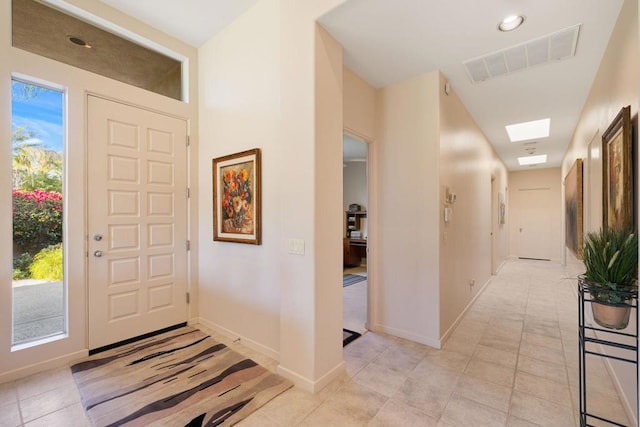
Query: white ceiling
{"x": 192, "y": 21}
{"x": 389, "y": 41}
{"x": 353, "y": 150}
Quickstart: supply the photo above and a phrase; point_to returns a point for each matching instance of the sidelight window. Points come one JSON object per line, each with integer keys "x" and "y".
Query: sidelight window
{"x": 37, "y": 141}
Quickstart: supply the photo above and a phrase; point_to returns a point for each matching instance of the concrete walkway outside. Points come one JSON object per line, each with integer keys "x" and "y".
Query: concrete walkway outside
{"x": 38, "y": 310}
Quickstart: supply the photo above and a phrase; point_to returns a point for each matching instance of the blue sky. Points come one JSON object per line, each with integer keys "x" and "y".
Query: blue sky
{"x": 41, "y": 114}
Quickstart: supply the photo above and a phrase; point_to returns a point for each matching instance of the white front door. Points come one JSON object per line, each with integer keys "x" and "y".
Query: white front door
{"x": 534, "y": 223}
{"x": 137, "y": 221}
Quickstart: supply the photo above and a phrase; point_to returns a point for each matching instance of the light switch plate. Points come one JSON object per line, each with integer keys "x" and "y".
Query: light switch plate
{"x": 296, "y": 246}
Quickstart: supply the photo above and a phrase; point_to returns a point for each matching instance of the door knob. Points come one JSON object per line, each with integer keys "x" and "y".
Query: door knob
{"x": 97, "y": 254}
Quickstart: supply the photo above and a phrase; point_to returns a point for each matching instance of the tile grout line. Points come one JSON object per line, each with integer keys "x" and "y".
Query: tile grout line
{"x": 515, "y": 374}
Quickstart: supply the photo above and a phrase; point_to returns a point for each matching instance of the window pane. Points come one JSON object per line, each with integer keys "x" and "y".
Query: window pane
{"x": 37, "y": 149}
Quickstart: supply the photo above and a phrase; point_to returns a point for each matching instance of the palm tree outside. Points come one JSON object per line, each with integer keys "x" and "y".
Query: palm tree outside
{"x": 37, "y": 179}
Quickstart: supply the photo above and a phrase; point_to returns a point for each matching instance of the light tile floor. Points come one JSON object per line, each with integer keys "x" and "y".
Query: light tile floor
{"x": 511, "y": 362}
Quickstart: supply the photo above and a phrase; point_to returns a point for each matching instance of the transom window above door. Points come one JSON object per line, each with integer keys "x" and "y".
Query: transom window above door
{"x": 45, "y": 31}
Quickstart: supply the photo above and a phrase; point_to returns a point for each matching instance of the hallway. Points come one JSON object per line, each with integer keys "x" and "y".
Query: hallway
{"x": 512, "y": 361}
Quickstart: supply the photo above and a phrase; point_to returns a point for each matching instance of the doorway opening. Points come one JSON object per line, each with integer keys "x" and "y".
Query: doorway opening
{"x": 37, "y": 143}
{"x": 355, "y": 235}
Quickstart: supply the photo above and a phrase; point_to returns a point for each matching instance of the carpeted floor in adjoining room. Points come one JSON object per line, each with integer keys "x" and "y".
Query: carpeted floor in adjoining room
{"x": 352, "y": 279}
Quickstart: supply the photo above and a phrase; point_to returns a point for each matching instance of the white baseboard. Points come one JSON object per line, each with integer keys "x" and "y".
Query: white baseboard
{"x": 299, "y": 380}
{"x": 254, "y": 345}
{"x": 453, "y": 327}
{"x": 310, "y": 385}
{"x": 502, "y": 264}
{"x": 400, "y": 333}
{"x": 628, "y": 409}
{"x": 57, "y": 362}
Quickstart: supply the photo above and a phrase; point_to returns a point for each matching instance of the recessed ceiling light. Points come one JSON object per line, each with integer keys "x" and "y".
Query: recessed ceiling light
{"x": 510, "y": 23}
{"x": 532, "y": 160}
{"x": 529, "y": 130}
{"x": 79, "y": 42}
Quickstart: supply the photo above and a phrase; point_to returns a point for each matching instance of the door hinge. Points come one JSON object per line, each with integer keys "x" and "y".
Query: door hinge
{"x": 188, "y": 298}
{"x": 188, "y": 192}
{"x": 188, "y": 245}
{"x": 186, "y": 140}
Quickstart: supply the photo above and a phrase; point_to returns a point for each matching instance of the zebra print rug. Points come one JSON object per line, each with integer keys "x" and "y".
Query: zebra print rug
{"x": 179, "y": 378}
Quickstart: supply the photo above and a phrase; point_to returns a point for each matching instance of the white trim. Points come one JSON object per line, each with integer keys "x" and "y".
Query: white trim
{"x": 57, "y": 362}
{"x": 455, "y": 324}
{"x": 628, "y": 409}
{"x": 46, "y": 340}
{"x": 310, "y": 385}
{"x": 431, "y": 342}
{"x": 358, "y": 135}
{"x": 36, "y": 81}
{"x": 254, "y": 345}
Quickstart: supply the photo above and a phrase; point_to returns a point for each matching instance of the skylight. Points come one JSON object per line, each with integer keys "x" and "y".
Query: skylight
{"x": 529, "y": 130}
{"x": 532, "y": 160}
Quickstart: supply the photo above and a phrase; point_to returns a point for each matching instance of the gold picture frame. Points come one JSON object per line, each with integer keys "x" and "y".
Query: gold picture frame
{"x": 573, "y": 209}
{"x": 617, "y": 173}
{"x": 237, "y": 198}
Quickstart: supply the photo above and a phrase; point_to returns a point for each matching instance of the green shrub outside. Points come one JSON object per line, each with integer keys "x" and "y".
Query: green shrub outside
{"x": 47, "y": 264}
{"x": 21, "y": 266}
{"x": 37, "y": 220}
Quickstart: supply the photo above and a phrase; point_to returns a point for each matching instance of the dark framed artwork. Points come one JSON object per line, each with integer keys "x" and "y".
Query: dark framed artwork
{"x": 573, "y": 208}
{"x": 237, "y": 197}
{"x": 617, "y": 173}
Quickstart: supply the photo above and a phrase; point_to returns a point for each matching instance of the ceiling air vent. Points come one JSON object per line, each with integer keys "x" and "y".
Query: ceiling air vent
{"x": 552, "y": 47}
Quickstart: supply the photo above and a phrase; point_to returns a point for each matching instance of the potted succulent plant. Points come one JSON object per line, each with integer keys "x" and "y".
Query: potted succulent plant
{"x": 610, "y": 257}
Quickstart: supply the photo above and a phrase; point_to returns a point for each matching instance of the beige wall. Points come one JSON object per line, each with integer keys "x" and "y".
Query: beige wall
{"x": 328, "y": 218}
{"x": 76, "y": 83}
{"x": 538, "y": 179}
{"x": 615, "y": 86}
{"x": 359, "y": 106}
{"x": 467, "y": 165}
{"x": 419, "y": 280}
{"x": 355, "y": 184}
{"x": 240, "y": 111}
{"x": 406, "y": 180}
{"x": 273, "y": 80}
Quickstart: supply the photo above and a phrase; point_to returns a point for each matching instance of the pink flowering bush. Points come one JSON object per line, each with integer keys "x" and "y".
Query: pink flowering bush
{"x": 37, "y": 220}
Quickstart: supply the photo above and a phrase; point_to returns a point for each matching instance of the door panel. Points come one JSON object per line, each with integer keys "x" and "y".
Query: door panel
{"x": 137, "y": 213}
{"x": 534, "y": 223}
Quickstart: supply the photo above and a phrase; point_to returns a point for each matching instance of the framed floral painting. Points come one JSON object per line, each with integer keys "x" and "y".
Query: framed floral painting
{"x": 236, "y": 198}
{"x": 617, "y": 173}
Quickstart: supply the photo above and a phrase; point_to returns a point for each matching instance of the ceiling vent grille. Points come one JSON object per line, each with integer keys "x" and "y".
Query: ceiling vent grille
{"x": 553, "y": 47}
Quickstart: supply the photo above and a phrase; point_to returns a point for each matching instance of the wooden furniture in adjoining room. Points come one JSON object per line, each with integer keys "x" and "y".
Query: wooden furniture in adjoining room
{"x": 354, "y": 249}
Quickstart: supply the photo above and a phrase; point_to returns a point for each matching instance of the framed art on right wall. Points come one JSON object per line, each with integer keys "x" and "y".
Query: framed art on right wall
{"x": 617, "y": 173}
